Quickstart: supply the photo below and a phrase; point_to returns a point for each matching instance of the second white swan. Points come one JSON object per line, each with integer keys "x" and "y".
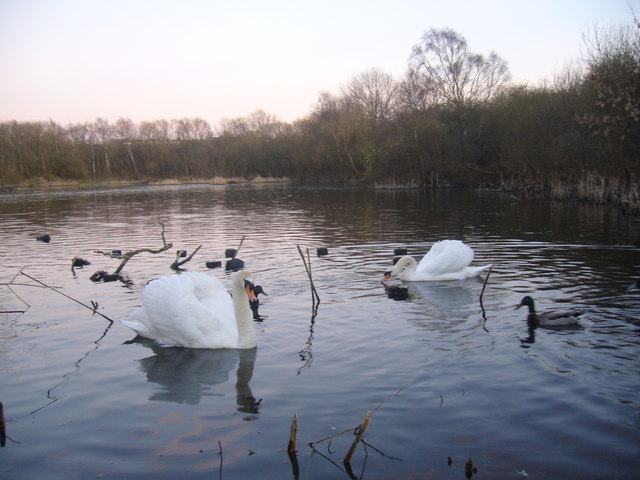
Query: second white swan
{"x": 446, "y": 260}
{"x": 195, "y": 310}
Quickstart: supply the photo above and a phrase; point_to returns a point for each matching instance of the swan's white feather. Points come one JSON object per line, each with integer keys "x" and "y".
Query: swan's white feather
{"x": 446, "y": 260}
{"x": 192, "y": 309}
{"x": 446, "y": 256}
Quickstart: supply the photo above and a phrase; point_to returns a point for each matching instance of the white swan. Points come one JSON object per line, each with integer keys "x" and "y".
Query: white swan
{"x": 195, "y": 310}
{"x": 446, "y": 260}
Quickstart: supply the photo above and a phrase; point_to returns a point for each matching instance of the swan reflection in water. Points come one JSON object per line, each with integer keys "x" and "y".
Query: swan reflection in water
{"x": 443, "y": 303}
{"x": 185, "y": 375}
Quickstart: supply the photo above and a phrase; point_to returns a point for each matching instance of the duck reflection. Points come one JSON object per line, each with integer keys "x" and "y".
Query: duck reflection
{"x": 185, "y": 375}
{"x": 530, "y": 339}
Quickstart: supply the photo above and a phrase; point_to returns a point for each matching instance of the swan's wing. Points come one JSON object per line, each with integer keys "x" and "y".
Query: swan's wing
{"x": 138, "y": 322}
{"x": 446, "y": 256}
{"x": 186, "y": 309}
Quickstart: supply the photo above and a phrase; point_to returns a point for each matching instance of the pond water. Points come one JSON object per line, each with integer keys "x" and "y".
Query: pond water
{"x": 445, "y": 380}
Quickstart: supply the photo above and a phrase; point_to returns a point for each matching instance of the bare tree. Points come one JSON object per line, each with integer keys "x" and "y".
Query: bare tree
{"x": 259, "y": 123}
{"x": 158, "y": 131}
{"x": 458, "y": 76}
{"x": 126, "y": 131}
{"x": 374, "y": 92}
{"x": 192, "y": 129}
{"x": 103, "y": 132}
{"x": 613, "y": 73}
{"x": 416, "y": 92}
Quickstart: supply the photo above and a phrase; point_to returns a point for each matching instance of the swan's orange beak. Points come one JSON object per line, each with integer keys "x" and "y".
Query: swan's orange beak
{"x": 387, "y": 276}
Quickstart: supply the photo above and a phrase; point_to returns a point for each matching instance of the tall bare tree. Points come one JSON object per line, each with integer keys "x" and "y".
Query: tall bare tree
{"x": 374, "y": 92}
{"x": 459, "y": 77}
{"x": 103, "y": 131}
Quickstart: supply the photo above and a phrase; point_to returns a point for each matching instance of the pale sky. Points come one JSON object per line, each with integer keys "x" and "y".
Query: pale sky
{"x": 76, "y": 60}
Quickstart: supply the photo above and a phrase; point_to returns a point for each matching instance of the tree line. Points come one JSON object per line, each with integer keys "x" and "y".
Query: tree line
{"x": 454, "y": 119}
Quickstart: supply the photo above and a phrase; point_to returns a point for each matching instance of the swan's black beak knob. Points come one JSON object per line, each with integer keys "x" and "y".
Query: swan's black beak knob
{"x": 387, "y": 276}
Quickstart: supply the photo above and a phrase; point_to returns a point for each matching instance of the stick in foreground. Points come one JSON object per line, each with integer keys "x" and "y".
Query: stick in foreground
{"x": 363, "y": 426}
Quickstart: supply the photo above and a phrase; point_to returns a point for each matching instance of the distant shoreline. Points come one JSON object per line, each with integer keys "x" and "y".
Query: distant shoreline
{"x": 43, "y": 183}
{"x": 592, "y": 191}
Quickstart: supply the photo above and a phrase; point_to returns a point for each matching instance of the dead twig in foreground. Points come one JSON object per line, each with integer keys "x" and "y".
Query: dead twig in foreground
{"x": 361, "y": 429}
{"x": 307, "y": 267}
{"x": 484, "y": 285}
{"x": 93, "y": 308}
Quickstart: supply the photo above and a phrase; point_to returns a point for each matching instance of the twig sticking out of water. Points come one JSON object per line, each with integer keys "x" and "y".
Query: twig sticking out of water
{"x": 8, "y": 285}
{"x": 178, "y": 263}
{"x": 291, "y": 448}
{"x": 361, "y": 429}
{"x": 93, "y": 308}
{"x": 484, "y": 285}
{"x": 307, "y": 267}
{"x": 221, "y": 459}
{"x": 240, "y": 245}
{"x": 3, "y": 431}
{"x": 129, "y": 255}
{"x": 293, "y": 435}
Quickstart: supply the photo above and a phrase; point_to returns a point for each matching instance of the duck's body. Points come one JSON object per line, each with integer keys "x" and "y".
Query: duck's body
{"x": 446, "y": 260}
{"x": 195, "y": 310}
{"x": 549, "y": 318}
{"x": 255, "y": 305}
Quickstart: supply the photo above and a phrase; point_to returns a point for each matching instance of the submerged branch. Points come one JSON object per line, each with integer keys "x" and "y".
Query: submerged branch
{"x": 128, "y": 256}
{"x": 93, "y": 307}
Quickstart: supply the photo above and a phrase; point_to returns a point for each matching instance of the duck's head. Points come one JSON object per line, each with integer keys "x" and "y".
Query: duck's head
{"x": 526, "y": 302}
{"x": 257, "y": 290}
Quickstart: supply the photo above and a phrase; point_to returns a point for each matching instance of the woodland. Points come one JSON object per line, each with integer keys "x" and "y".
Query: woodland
{"x": 455, "y": 119}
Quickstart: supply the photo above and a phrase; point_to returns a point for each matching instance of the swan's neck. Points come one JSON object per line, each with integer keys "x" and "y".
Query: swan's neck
{"x": 406, "y": 266}
{"x": 244, "y": 318}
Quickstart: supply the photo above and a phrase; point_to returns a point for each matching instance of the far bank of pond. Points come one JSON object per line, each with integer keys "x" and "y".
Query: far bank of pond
{"x": 591, "y": 188}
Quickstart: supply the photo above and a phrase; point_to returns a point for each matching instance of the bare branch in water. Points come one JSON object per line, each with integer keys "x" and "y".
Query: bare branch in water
{"x": 291, "y": 447}
{"x": 129, "y": 255}
{"x": 307, "y": 267}
{"x": 484, "y": 285}
{"x": 93, "y": 308}
{"x": 178, "y": 263}
{"x": 361, "y": 429}
{"x": 238, "y": 249}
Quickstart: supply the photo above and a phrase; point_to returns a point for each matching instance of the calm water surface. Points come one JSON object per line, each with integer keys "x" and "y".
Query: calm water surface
{"x": 443, "y": 379}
